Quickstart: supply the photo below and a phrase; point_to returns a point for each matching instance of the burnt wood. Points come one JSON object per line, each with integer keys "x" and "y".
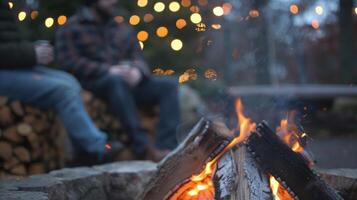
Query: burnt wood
{"x": 206, "y": 140}
{"x": 289, "y": 168}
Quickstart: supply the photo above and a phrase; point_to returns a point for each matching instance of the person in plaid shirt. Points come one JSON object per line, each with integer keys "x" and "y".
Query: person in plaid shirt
{"x": 106, "y": 58}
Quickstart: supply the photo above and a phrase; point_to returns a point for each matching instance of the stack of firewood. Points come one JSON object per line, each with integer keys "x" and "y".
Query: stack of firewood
{"x": 31, "y": 140}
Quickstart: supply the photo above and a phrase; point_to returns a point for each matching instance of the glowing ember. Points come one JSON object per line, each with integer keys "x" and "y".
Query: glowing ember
{"x": 289, "y": 133}
{"x": 279, "y": 192}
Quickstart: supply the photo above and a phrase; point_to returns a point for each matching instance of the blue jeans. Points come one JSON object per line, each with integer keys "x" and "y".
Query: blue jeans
{"x": 122, "y": 101}
{"x": 51, "y": 89}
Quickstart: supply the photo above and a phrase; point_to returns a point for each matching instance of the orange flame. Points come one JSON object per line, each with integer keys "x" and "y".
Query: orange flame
{"x": 279, "y": 192}
{"x": 200, "y": 186}
{"x": 289, "y": 133}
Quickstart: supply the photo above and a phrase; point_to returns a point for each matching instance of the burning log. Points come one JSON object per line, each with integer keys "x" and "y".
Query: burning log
{"x": 290, "y": 168}
{"x": 204, "y": 142}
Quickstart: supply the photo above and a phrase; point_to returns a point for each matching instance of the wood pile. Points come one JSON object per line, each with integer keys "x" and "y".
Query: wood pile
{"x": 31, "y": 140}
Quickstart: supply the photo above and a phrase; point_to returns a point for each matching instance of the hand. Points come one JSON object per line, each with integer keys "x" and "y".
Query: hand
{"x": 131, "y": 75}
{"x": 44, "y": 54}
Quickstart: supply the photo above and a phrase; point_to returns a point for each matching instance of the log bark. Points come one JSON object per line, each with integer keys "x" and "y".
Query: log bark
{"x": 238, "y": 177}
{"x": 203, "y": 143}
{"x": 289, "y": 168}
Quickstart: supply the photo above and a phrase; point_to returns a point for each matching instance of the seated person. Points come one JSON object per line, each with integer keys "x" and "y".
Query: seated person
{"x": 106, "y": 58}
{"x": 23, "y": 78}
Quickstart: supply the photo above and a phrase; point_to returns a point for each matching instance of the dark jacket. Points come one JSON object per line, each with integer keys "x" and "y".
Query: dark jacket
{"x": 14, "y": 51}
{"x": 88, "y": 48}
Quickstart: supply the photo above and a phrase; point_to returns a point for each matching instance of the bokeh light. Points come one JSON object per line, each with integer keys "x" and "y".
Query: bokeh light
{"x": 11, "y": 5}
{"x": 194, "y": 9}
{"x": 22, "y": 16}
{"x": 174, "y": 6}
{"x": 218, "y": 11}
{"x": 195, "y": 18}
{"x": 254, "y": 13}
{"x": 142, "y": 3}
{"x": 315, "y": 24}
{"x": 141, "y": 44}
{"x": 162, "y": 31}
{"x": 294, "y": 9}
{"x": 119, "y": 19}
{"x": 49, "y": 22}
{"x": 319, "y": 10}
{"x": 61, "y": 20}
{"x": 181, "y": 23}
{"x": 186, "y": 3}
{"x": 227, "y": 8}
{"x": 216, "y": 26}
{"x": 202, "y": 2}
{"x": 211, "y": 74}
{"x": 148, "y": 17}
{"x": 134, "y": 20}
{"x": 142, "y": 36}
{"x": 159, "y": 7}
{"x": 34, "y": 14}
{"x": 176, "y": 44}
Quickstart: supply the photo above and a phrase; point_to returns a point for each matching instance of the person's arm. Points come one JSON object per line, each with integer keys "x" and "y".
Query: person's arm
{"x": 69, "y": 57}
{"x": 17, "y": 55}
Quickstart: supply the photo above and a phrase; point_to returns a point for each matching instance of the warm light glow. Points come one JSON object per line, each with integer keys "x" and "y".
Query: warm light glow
{"x": 49, "y": 22}
{"x": 279, "y": 192}
{"x": 194, "y": 9}
{"x": 34, "y": 14}
{"x": 289, "y": 133}
{"x": 227, "y": 8}
{"x": 62, "y": 20}
{"x": 185, "y": 3}
{"x": 142, "y": 3}
{"x": 202, "y": 2}
{"x": 218, "y": 11}
{"x": 319, "y": 10}
{"x": 254, "y": 13}
{"x": 216, "y": 26}
{"x": 211, "y": 74}
{"x": 176, "y": 44}
{"x": 159, "y": 7}
{"x": 174, "y": 6}
{"x": 142, "y": 36}
{"x": 162, "y": 31}
{"x": 141, "y": 45}
{"x": 119, "y": 19}
{"x": 148, "y": 17}
{"x": 356, "y": 10}
{"x": 196, "y": 18}
{"x": 22, "y": 16}
{"x": 315, "y": 24}
{"x": 181, "y": 23}
{"x": 294, "y": 9}
{"x": 134, "y": 20}
{"x": 11, "y": 5}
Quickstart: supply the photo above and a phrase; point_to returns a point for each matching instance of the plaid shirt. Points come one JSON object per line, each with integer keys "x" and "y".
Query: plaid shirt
{"x": 88, "y": 48}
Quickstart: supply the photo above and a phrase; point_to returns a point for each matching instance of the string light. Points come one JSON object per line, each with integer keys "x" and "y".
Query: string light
{"x": 216, "y": 26}
{"x": 34, "y": 14}
{"x": 294, "y": 9}
{"x": 196, "y": 18}
{"x": 142, "y": 3}
{"x": 254, "y": 13}
{"x": 141, "y": 44}
{"x": 174, "y": 6}
{"x": 148, "y": 17}
{"x": 143, "y": 36}
{"x": 119, "y": 19}
{"x": 61, "y": 20}
{"x": 202, "y": 2}
{"x": 49, "y": 22}
{"x": 194, "y": 9}
{"x": 319, "y": 10}
{"x": 315, "y": 24}
{"x": 134, "y": 20}
{"x": 176, "y": 45}
{"x": 11, "y": 5}
{"x": 186, "y": 3}
{"x": 218, "y": 11}
{"x": 227, "y": 8}
{"x": 162, "y": 32}
{"x": 356, "y": 10}
{"x": 181, "y": 23}
{"x": 159, "y": 7}
{"x": 22, "y": 16}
